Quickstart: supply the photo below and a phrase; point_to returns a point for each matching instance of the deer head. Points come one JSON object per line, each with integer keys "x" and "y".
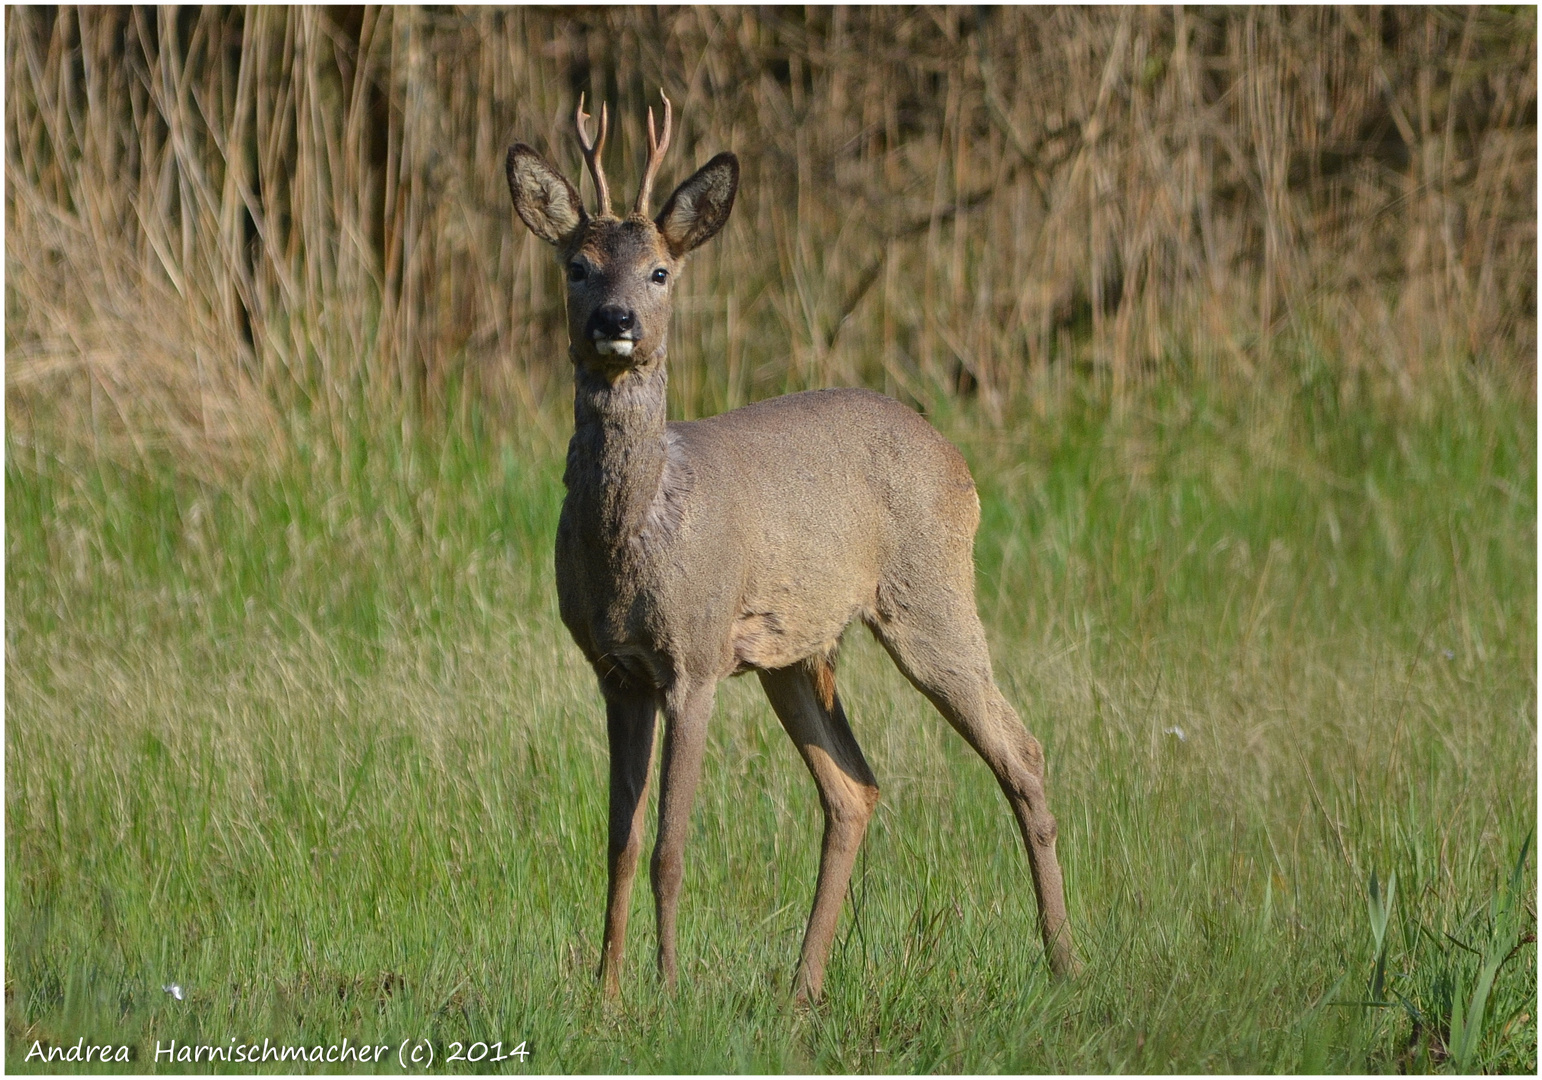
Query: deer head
{"x": 620, "y": 271}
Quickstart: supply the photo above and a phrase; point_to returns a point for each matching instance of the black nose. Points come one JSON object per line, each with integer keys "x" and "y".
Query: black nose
{"x": 611, "y": 321}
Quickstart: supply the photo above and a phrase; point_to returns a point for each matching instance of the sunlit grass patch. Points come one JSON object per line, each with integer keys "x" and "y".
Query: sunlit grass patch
{"x": 316, "y": 750}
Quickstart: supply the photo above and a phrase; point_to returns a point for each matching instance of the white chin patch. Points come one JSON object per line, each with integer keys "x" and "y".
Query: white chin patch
{"x": 614, "y": 347}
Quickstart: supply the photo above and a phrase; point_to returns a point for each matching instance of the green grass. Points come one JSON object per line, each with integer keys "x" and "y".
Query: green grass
{"x": 313, "y": 744}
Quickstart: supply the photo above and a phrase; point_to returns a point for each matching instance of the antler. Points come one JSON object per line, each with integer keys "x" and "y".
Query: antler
{"x": 656, "y": 148}
{"x": 592, "y": 152}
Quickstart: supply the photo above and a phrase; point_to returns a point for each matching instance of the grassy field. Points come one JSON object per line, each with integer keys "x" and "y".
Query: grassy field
{"x": 312, "y": 744}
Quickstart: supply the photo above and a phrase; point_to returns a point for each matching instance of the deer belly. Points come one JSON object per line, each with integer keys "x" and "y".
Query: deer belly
{"x": 768, "y": 640}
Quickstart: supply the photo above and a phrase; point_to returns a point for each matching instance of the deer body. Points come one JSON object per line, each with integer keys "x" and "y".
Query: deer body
{"x": 689, "y": 552}
{"x": 664, "y": 569}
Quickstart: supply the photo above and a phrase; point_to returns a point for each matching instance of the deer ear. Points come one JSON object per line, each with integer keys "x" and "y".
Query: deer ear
{"x": 700, "y": 206}
{"x": 543, "y": 198}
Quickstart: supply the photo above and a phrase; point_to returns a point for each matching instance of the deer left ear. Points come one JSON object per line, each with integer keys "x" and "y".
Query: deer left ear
{"x": 545, "y": 201}
{"x": 700, "y": 206}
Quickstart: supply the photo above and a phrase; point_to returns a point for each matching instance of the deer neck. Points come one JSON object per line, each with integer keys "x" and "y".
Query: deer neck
{"x": 617, "y": 459}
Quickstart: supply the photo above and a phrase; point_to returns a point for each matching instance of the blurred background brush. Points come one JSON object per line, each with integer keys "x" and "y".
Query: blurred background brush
{"x": 221, "y": 219}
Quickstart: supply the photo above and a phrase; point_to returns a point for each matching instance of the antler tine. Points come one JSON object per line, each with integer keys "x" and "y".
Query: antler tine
{"x": 656, "y": 148}
{"x": 592, "y": 152}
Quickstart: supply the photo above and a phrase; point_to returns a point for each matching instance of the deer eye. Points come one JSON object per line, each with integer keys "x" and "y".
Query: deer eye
{"x": 577, "y": 271}
{"x": 660, "y": 276}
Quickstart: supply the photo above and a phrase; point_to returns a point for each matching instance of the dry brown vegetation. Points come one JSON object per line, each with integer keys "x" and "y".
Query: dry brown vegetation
{"x": 217, "y": 218}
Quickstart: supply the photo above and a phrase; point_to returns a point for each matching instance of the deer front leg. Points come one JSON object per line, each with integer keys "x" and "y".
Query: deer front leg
{"x": 630, "y": 720}
{"x": 686, "y": 711}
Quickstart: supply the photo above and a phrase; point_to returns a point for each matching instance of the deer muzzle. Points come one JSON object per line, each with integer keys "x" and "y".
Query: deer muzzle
{"x": 614, "y": 330}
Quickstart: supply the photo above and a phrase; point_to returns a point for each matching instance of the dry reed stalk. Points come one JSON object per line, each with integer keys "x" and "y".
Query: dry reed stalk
{"x": 218, "y": 219}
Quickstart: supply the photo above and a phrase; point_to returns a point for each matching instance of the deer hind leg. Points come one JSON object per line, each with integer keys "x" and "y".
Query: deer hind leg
{"x": 941, "y": 648}
{"x": 803, "y": 696}
{"x": 630, "y": 720}
{"x": 687, "y": 708}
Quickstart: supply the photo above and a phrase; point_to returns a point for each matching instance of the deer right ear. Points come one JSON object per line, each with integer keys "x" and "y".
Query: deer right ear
{"x": 700, "y": 206}
{"x": 543, "y": 198}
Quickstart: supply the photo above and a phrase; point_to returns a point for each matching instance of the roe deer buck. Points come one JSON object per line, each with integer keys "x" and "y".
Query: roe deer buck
{"x": 688, "y": 552}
